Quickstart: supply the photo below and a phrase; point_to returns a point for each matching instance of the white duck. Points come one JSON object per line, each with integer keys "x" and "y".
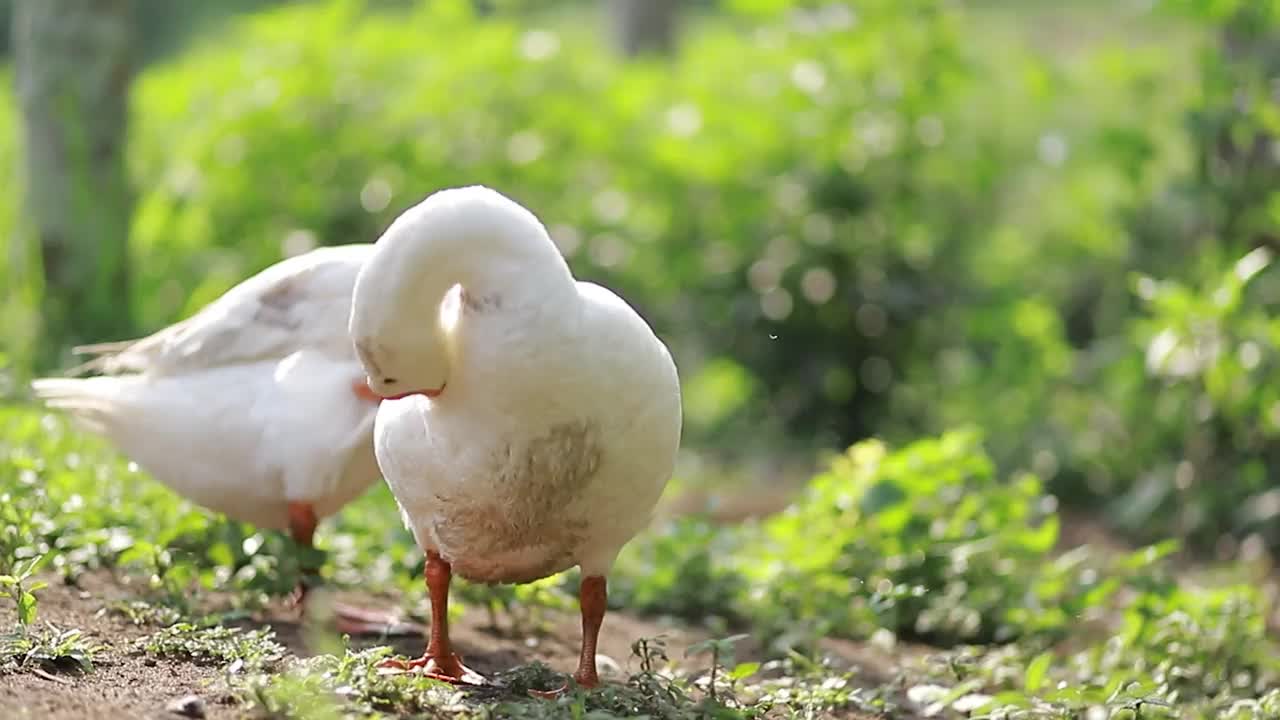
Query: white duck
{"x": 541, "y": 415}
{"x": 255, "y": 407}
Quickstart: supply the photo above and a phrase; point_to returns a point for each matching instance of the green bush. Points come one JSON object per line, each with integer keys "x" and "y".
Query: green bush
{"x": 19, "y": 292}
{"x": 905, "y": 232}
{"x": 1168, "y": 417}
{"x": 683, "y": 568}
{"x": 68, "y": 495}
{"x": 926, "y": 541}
{"x": 803, "y": 239}
{"x": 890, "y": 222}
{"x": 1194, "y": 417}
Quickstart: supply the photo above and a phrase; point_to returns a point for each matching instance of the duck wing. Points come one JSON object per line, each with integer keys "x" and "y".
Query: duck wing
{"x": 301, "y": 302}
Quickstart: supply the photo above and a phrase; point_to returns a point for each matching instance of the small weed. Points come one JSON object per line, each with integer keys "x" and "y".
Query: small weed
{"x": 168, "y": 578}
{"x": 810, "y": 690}
{"x": 722, "y": 653}
{"x": 141, "y": 612}
{"x": 533, "y": 676}
{"x": 20, "y": 588}
{"x": 351, "y": 686}
{"x": 1196, "y": 652}
{"x": 214, "y": 645}
{"x": 49, "y": 648}
{"x": 925, "y": 541}
{"x": 337, "y": 686}
{"x": 650, "y": 651}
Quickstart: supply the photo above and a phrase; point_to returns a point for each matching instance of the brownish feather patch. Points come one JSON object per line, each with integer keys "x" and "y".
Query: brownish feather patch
{"x": 530, "y": 531}
{"x": 276, "y": 304}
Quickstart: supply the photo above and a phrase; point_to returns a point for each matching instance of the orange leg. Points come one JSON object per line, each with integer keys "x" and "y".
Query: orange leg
{"x": 592, "y": 599}
{"x": 350, "y": 620}
{"x": 439, "y": 661}
{"x": 302, "y": 526}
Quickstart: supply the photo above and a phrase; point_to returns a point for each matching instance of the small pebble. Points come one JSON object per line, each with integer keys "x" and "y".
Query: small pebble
{"x": 191, "y": 706}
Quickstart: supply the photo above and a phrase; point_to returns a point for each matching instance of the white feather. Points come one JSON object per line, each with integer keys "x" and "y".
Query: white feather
{"x": 560, "y": 418}
{"x": 247, "y": 405}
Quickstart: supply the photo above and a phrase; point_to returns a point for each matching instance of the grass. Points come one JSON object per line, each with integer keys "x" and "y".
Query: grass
{"x": 41, "y": 647}
{"x": 941, "y": 585}
{"x": 47, "y": 648}
{"x": 331, "y": 686}
{"x": 214, "y": 645}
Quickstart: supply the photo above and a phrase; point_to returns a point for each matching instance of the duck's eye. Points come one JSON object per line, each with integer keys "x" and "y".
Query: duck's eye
{"x": 389, "y": 381}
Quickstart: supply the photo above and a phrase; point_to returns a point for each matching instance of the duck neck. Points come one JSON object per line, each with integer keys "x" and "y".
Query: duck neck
{"x": 494, "y": 270}
{"x": 504, "y": 262}
{"x": 497, "y": 251}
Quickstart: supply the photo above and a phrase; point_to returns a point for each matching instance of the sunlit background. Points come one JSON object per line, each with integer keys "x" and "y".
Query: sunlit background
{"x": 1045, "y": 226}
{"x": 877, "y": 218}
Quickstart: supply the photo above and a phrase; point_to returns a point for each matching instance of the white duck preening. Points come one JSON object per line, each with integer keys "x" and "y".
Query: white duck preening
{"x": 255, "y": 407}
{"x": 536, "y": 418}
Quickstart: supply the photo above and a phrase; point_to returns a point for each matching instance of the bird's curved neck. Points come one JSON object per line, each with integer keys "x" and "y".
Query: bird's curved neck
{"x": 504, "y": 261}
{"x": 492, "y": 271}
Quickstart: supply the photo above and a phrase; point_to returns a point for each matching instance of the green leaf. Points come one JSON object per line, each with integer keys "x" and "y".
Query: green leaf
{"x": 36, "y": 564}
{"x": 1147, "y": 556}
{"x": 883, "y": 494}
{"x": 699, "y": 648}
{"x": 26, "y": 608}
{"x": 1036, "y": 672}
{"x": 758, "y": 8}
{"x": 744, "y": 670}
{"x": 83, "y": 660}
{"x": 220, "y": 553}
{"x": 140, "y": 551}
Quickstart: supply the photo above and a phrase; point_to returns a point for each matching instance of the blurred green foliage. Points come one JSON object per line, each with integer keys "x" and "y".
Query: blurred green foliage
{"x": 740, "y": 225}
{"x": 927, "y": 542}
{"x": 894, "y": 221}
{"x": 1172, "y": 414}
{"x": 71, "y": 497}
{"x": 922, "y": 542}
{"x": 891, "y": 219}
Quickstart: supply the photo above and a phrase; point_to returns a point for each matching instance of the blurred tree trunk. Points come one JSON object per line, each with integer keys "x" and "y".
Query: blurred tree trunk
{"x": 644, "y": 26}
{"x": 74, "y": 66}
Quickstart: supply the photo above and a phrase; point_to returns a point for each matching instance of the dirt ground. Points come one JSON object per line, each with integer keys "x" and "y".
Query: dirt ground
{"x": 126, "y": 685}
{"x": 129, "y": 686}
{"x": 122, "y": 685}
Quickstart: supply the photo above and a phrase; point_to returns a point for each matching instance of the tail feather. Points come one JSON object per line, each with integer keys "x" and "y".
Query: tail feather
{"x": 103, "y": 347}
{"x": 94, "y": 403}
{"x": 100, "y": 364}
{"x": 108, "y": 357}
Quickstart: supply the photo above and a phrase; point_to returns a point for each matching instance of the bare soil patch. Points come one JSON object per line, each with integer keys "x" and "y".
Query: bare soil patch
{"x": 124, "y": 684}
{"x": 127, "y": 684}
